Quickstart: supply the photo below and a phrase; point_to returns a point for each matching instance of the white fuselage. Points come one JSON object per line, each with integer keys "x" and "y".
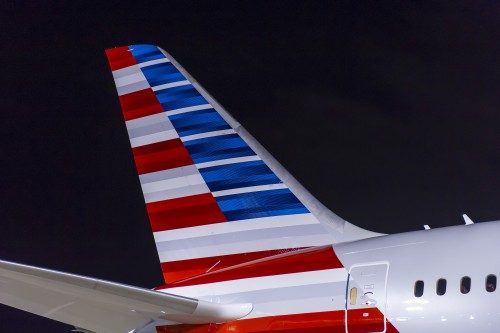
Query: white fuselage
{"x": 447, "y": 253}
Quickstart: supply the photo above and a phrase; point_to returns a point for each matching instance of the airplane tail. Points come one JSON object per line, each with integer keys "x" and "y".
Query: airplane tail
{"x": 215, "y": 197}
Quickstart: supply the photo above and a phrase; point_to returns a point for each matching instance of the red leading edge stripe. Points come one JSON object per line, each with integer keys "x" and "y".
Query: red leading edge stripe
{"x": 184, "y": 212}
{"x": 120, "y": 57}
{"x": 140, "y": 104}
{"x": 161, "y": 156}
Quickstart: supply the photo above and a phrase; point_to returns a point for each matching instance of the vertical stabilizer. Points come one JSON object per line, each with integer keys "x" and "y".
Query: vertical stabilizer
{"x": 215, "y": 197}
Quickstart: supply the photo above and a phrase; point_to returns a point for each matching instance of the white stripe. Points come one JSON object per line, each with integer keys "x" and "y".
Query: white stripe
{"x": 125, "y": 71}
{"x": 298, "y": 306}
{"x": 171, "y": 85}
{"x": 145, "y": 121}
{"x": 235, "y": 226}
{"x": 207, "y": 135}
{"x": 175, "y": 193}
{"x": 260, "y": 283}
{"x": 249, "y": 189}
{"x": 129, "y": 79}
{"x": 174, "y": 183}
{"x": 168, "y": 174}
{"x": 228, "y": 161}
{"x": 189, "y": 109}
{"x": 153, "y": 138}
{"x": 252, "y": 245}
{"x": 153, "y": 62}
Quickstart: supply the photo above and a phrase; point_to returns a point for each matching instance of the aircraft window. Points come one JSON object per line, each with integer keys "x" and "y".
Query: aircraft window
{"x": 465, "y": 285}
{"x": 491, "y": 283}
{"x": 441, "y": 287}
{"x": 419, "y": 288}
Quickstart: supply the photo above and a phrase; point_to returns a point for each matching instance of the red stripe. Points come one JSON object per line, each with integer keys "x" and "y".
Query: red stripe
{"x": 317, "y": 322}
{"x": 184, "y": 212}
{"x": 139, "y": 104}
{"x": 120, "y": 57}
{"x": 161, "y": 156}
{"x": 306, "y": 260}
{"x": 183, "y": 269}
{"x": 365, "y": 320}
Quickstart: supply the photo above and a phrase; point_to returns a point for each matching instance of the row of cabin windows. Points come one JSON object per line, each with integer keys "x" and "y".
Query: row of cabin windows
{"x": 465, "y": 285}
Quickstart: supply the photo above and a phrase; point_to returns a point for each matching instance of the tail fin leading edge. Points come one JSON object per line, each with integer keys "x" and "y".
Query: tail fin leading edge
{"x": 215, "y": 197}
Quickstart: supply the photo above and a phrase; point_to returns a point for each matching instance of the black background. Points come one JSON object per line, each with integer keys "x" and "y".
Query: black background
{"x": 387, "y": 111}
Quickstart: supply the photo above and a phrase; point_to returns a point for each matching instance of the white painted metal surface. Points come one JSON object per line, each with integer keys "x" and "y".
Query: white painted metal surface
{"x": 102, "y": 306}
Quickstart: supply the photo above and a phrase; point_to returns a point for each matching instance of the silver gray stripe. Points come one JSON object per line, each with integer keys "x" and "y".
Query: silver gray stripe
{"x": 119, "y": 73}
{"x": 164, "y": 125}
{"x": 168, "y": 174}
{"x": 178, "y": 192}
{"x": 289, "y": 293}
{"x": 145, "y": 121}
{"x": 132, "y": 87}
{"x": 245, "y": 236}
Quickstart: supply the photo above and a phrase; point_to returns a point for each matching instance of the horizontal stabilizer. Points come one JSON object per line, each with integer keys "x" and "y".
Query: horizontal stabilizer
{"x": 101, "y": 306}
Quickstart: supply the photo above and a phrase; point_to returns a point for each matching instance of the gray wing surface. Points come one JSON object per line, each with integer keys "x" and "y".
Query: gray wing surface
{"x": 102, "y": 306}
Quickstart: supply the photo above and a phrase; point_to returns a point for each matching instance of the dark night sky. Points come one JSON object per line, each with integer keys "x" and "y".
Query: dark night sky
{"x": 387, "y": 111}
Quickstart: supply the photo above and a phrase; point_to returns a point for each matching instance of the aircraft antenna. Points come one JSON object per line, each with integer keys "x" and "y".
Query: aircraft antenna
{"x": 467, "y": 220}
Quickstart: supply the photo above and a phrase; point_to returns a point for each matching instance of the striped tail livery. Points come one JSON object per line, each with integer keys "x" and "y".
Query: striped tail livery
{"x": 225, "y": 215}
{"x": 214, "y": 196}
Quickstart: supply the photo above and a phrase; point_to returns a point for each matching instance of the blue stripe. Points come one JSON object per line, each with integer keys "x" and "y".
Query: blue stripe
{"x": 238, "y": 175}
{"x": 179, "y": 97}
{"x": 197, "y": 122}
{"x": 217, "y": 148}
{"x": 184, "y": 103}
{"x": 143, "y": 53}
{"x": 162, "y": 73}
{"x": 260, "y": 204}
